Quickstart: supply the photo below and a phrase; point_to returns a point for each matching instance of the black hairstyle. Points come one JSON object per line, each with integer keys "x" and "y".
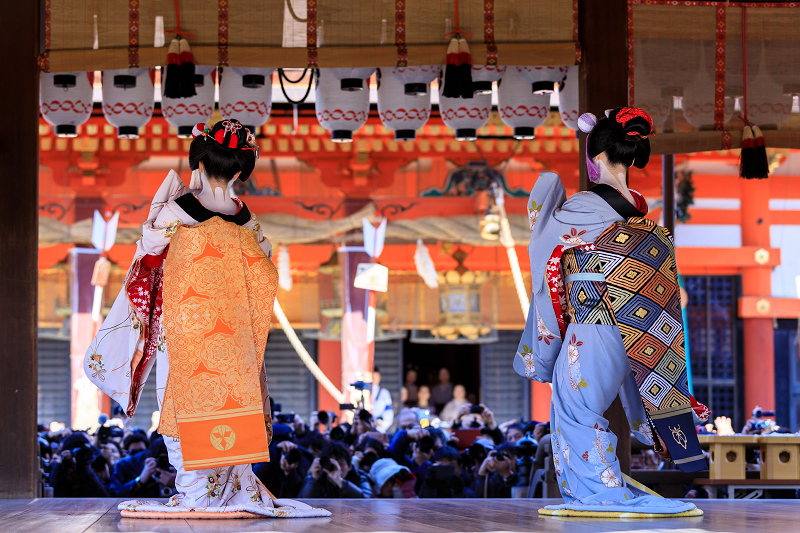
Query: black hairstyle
{"x": 135, "y": 437}
{"x": 516, "y": 425}
{"x": 220, "y": 161}
{"x": 338, "y": 451}
{"x": 313, "y": 441}
{"x": 624, "y": 141}
{"x": 373, "y": 443}
{"x": 445, "y": 452}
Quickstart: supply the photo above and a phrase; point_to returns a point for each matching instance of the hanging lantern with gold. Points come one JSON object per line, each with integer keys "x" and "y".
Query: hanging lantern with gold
{"x": 467, "y": 307}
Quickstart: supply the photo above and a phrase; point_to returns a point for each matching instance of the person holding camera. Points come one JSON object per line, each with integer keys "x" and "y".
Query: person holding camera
{"x": 392, "y": 480}
{"x": 479, "y": 417}
{"x": 442, "y": 478}
{"x": 497, "y": 475}
{"x": 331, "y": 476}
{"x": 73, "y": 476}
{"x": 146, "y": 474}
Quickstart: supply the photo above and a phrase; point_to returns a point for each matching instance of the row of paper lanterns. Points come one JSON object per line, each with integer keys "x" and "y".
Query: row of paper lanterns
{"x": 342, "y": 103}
{"x": 687, "y": 69}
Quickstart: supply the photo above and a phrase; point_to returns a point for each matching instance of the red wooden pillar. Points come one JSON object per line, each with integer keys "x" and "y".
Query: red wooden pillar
{"x": 329, "y": 359}
{"x": 759, "y": 342}
{"x": 540, "y": 401}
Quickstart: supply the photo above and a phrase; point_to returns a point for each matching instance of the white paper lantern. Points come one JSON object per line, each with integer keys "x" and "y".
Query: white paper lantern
{"x": 769, "y": 100}
{"x": 542, "y": 79}
{"x": 246, "y": 95}
{"x": 651, "y": 98}
{"x": 128, "y": 99}
{"x": 520, "y": 108}
{"x": 698, "y": 95}
{"x": 65, "y": 100}
{"x": 568, "y": 98}
{"x": 483, "y": 76}
{"x": 416, "y": 80}
{"x": 352, "y": 79}
{"x": 465, "y": 115}
{"x": 340, "y": 112}
{"x": 400, "y": 112}
{"x": 185, "y": 113}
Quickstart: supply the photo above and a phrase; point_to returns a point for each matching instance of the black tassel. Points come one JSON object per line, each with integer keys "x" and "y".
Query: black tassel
{"x": 747, "y": 157}
{"x": 760, "y": 151}
{"x": 451, "y": 88}
{"x": 172, "y": 76}
{"x": 187, "y": 70}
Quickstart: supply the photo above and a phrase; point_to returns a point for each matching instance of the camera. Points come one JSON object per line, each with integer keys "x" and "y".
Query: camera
{"x": 475, "y": 409}
{"x": 294, "y": 456}
{"x": 360, "y": 385}
{"x": 426, "y": 444}
{"x": 285, "y": 418}
{"x": 82, "y": 455}
{"x": 326, "y": 417}
{"x": 326, "y": 464}
{"x": 500, "y": 456}
{"x": 103, "y": 434}
{"x": 117, "y": 410}
{"x": 760, "y": 413}
{"x": 163, "y": 463}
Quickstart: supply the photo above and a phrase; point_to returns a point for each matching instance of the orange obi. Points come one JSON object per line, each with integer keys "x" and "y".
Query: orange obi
{"x": 219, "y": 289}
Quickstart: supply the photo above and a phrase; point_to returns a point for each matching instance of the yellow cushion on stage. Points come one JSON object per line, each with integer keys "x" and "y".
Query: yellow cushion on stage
{"x": 617, "y": 514}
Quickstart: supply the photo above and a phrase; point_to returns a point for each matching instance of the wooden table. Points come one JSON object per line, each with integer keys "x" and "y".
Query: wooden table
{"x": 778, "y": 455}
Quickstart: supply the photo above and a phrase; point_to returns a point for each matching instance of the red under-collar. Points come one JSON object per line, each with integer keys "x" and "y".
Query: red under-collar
{"x": 641, "y": 203}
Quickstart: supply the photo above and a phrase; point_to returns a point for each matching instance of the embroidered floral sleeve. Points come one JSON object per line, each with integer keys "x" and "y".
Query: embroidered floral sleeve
{"x": 169, "y": 230}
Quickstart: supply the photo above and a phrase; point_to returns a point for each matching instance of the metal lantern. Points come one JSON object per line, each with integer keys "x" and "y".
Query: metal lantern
{"x": 352, "y": 79}
{"x": 467, "y": 308}
{"x": 542, "y": 79}
{"x": 416, "y": 80}
{"x": 520, "y": 108}
{"x": 340, "y": 112}
{"x": 246, "y": 95}
{"x": 185, "y": 113}
{"x": 65, "y": 100}
{"x": 568, "y": 98}
{"x": 128, "y": 99}
{"x": 401, "y": 112}
{"x": 465, "y": 116}
{"x": 483, "y": 76}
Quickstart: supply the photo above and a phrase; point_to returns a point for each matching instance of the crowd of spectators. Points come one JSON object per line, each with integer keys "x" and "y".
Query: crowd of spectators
{"x": 114, "y": 461}
{"x": 463, "y": 452}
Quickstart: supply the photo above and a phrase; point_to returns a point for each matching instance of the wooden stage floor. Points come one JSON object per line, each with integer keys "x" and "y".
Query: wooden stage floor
{"x": 413, "y": 516}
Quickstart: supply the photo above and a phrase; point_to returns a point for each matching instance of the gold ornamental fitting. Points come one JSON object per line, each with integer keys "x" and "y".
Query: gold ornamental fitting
{"x": 762, "y": 256}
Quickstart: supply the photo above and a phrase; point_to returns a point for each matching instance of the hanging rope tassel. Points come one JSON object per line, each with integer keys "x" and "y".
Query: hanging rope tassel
{"x": 187, "y": 70}
{"x": 172, "y": 87}
{"x": 465, "y": 68}
{"x": 451, "y": 81}
{"x": 761, "y": 166}
{"x": 747, "y": 158}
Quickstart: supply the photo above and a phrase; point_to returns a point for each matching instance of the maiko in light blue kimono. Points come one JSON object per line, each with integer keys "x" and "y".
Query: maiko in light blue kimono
{"x": 585, "y": 360}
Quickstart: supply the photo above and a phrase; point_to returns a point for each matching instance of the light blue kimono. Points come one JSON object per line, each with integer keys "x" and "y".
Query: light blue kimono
{"x": 588, "y": 369}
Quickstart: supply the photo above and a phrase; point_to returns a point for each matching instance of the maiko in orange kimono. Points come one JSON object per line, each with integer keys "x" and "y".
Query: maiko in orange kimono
{"x": 198, "y": 302}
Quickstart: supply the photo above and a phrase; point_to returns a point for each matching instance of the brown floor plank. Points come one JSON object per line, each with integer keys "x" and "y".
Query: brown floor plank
{"x": 410, "y": 516}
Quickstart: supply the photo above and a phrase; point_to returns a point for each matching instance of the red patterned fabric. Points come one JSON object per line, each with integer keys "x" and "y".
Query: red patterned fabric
{"x": 144, "y": 290}
{"x": 400, "y": 32}
{"x": 488, "y": 32}
{"x": 311, "y": 33}
{"x": 628, "y": 113}
{"x": 719, "y": 71}
{"x": 555, "y": 283}
{"x": 133, "y": 34}
{"x": 222, "y": 33}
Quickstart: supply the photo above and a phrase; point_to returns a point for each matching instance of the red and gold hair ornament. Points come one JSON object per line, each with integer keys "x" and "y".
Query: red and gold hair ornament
{"x": 628, "y": 113}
